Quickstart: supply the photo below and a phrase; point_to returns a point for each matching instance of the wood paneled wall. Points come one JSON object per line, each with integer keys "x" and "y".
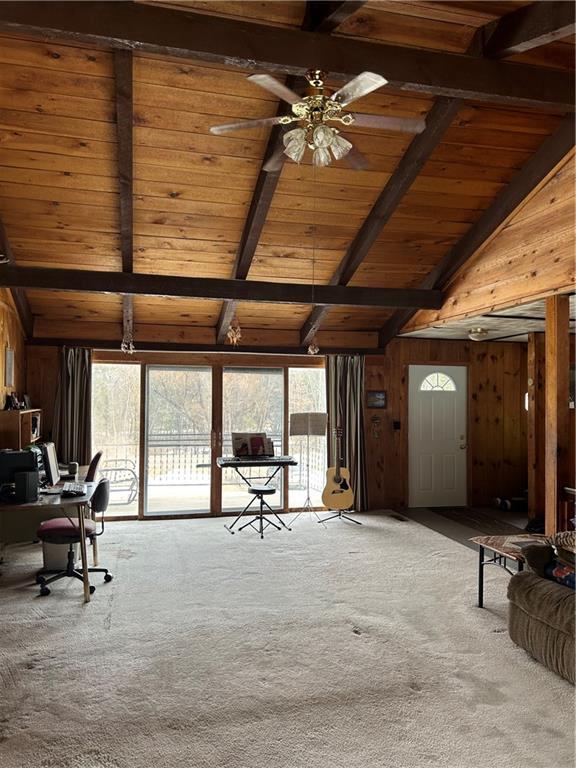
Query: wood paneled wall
{"x": 42, "y": 383}
{"x": 497, "y": 441}
{"x": 11, "y": 336}
{"x": 532, "y": 256}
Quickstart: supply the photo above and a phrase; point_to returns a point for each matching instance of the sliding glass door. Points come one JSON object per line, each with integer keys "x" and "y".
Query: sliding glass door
{"x": 252, "y": 401}
{"x": 161, "y": 428}
{"x": 307, "y": 393}
{"x": 178, "y": 440}
{"x": 115, "y": 431}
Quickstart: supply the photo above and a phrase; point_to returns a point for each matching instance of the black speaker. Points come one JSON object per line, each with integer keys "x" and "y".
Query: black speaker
{"x": 25, "y": 487}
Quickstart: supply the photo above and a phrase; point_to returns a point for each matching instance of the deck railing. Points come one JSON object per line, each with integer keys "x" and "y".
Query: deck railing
{"x": 184, "y": 458}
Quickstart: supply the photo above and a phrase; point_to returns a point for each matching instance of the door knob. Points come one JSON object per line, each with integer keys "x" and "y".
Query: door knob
{"x": 463, "y": 447}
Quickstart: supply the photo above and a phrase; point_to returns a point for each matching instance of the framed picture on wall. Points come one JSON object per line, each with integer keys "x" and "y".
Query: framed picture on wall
{"x": 376, "y": 398}
{"x": 9, "y": 367}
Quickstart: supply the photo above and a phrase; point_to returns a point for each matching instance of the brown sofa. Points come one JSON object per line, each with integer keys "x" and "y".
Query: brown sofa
{"x": 541, "y": 615}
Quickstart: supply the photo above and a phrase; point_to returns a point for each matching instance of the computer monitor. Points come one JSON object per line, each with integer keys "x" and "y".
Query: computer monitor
{"x": 51, "y": 463}
{"x": 16, "y": 461}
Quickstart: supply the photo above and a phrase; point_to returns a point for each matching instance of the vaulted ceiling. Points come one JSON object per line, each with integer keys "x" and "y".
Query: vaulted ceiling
{"x": 107, "y": 164}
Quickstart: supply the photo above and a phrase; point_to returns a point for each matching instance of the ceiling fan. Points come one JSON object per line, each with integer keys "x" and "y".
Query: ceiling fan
{"x": 315, "y": 112}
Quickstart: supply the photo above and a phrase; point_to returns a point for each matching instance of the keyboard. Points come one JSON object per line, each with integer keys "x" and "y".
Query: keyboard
{"x": 74, "y": 489}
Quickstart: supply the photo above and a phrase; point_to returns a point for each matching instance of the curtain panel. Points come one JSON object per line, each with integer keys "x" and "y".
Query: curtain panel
{"x": 345, "y": 399}
{"x": 72, "y": 418}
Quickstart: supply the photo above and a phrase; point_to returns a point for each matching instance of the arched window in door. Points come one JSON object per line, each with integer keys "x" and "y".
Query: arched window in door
{"x": 438, "y": 382}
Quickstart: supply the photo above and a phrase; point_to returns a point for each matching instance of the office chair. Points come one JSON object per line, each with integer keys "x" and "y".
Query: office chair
{"x": 93, "y": 468}
{"x": 261, "y": 522}
{"x": 65, "y": 530}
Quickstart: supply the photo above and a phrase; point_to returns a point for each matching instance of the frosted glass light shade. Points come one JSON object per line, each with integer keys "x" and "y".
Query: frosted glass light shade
{"x": 297, "y": 135}
{"x": 340, "y": 146}
{"x": 295, "y": 151}
{"x": 323, "y": 136}
{"x": 321, "y": 157}
{"x": 295, "y": 144}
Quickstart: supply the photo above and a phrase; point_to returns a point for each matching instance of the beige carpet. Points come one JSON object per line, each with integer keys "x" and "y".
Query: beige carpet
{"x": 336, "y": 647}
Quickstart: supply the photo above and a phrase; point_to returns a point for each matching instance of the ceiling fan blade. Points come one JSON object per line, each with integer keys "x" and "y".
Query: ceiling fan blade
{"x": 276, "y": 87}
{"x": 228, "y": 127}
{"x": 356, "y": 160}
{"x": 275, "y": 162}
{"x": 402, "y": 124}
{"x": 362, "y": 85}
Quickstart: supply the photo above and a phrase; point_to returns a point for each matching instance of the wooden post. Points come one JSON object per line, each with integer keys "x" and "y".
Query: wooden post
{"x": 536, "y": 426}
{"x": 557, "y": 469}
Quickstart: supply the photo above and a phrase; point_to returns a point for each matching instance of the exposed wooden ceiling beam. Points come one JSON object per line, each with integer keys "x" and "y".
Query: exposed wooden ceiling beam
{"x": 535, "y": 170}
{"x": 18, "y": 296}
{"x": 529, "y": 27}
{"x": 92, "y": 281}
{"x": 325, "y": 16}
{"x": 286, "y": 51}
{"x": 421, "y": 147}
{"x": 125, "y": 153}
{"x": 319, "y": 17}
{"x": 264, "y": 190}
{"x": 123, "y": 70}
{"x": 166, "y": 346}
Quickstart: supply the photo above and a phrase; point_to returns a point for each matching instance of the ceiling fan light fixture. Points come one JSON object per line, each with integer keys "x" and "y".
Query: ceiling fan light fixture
{"x": 296, "y": 135}
{"x": 477, "y": 333}
{"x": 295, "y": 151}
{"x": 323, "y": 136}
{"x": 321, "y": 157}
{"x": 340, "y": 146}
{"x": 295, "y": 144}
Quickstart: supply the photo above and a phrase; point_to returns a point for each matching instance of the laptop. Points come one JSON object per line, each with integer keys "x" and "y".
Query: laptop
{"x": 249, "y": 445}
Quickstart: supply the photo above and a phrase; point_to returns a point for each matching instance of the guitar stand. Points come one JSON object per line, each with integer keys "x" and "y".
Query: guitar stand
{"x": 341, "y": 516}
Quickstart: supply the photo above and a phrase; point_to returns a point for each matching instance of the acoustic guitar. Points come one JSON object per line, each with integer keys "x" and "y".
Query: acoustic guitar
{"x": 337, "y": 493}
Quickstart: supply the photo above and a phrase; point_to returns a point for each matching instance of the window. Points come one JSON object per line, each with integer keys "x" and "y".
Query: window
{"x": 252, "y": 401}
{"x": 188, "y": 416}
{"x": 307, "y": 392}
{"x": 438, "y": 382}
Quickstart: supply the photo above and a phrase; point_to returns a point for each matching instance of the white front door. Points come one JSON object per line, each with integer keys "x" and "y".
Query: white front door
{"x": 437, "y": 435}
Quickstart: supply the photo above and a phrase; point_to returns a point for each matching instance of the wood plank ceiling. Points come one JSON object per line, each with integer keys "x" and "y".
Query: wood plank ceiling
{"x": 60, "y": 186}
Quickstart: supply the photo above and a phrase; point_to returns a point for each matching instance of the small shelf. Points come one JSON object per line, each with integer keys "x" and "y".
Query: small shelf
{"x": 20, "y": 428}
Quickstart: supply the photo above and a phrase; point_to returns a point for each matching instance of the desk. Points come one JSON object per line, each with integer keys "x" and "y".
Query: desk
{"x": 54, "y": 501}
{"x": 275, "y": 463}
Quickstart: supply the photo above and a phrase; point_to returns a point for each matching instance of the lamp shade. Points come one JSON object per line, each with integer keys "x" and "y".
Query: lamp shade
{"x": 308, "y": 423}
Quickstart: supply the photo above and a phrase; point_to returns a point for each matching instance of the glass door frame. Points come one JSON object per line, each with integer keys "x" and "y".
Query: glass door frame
{"x": 147, "y": 368}
{"x": 217, "y": 362}
{"x": 267, "y": 365}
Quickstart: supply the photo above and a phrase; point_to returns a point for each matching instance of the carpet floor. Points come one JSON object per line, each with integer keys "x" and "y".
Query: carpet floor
{"x": 325, "y": 647}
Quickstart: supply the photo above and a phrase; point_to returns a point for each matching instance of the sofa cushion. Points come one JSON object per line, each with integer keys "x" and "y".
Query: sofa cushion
{"x": 557, "y": 571}
{"x": 551, "y": 603}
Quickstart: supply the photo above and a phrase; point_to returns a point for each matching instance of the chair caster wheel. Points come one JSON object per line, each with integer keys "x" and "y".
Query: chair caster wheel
{"x": 44, "y": 591}
{"x": 92, "y": 589}
{"x": 108, "y": 577}
{"x": 40, "y": 579}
